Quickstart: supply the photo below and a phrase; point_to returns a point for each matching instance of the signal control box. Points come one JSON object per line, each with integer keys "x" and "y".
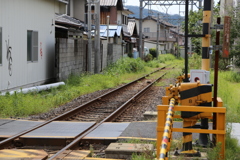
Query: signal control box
{"x": 200, "y": 75}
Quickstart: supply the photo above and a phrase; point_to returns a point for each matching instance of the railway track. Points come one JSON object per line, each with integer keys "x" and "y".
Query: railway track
{"x": 109, "y": 107}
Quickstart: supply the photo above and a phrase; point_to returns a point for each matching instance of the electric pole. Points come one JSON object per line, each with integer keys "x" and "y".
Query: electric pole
{"x": 140, "y": 29}
{"x": 97, "y": 37}
{"x": 158, "y": 27}
{"x": 89, "y": 56}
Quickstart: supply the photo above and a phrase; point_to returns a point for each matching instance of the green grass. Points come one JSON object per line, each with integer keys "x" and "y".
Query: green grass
{"x": 123, "y": 71}
{"x": 229, "y": 92}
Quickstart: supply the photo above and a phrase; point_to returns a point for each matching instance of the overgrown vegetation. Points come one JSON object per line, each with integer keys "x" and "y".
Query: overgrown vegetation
{"x": 153, "y": 52}
{"x": 123, "y": 71}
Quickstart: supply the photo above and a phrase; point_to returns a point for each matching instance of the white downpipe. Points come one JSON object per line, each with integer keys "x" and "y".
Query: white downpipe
{"x": 36, "y": 88}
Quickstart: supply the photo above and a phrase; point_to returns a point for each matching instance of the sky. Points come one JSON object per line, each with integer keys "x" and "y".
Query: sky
{"x": 174, "y": 9}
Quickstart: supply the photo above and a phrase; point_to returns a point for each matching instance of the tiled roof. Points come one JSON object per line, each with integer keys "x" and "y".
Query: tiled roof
{"x": 63, "y": 1}
{"x": 108, "y": 2}
{"x": 65, "y": 19}
{"x": 161, "y": 21}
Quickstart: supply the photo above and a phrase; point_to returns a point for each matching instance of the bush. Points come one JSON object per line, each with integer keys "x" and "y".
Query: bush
{"x": 195, "y": 61}
{"x": 130, "y": 55}
{"x": 148, "y": 58}
{"x": 125, "y": 65}
{"x": 166, "y": 57}
{"x": 232, "y": 76}
{"x": 153, "y": 52}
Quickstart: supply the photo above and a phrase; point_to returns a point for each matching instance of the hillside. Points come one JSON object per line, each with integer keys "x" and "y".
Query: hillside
{"x": 173, "y": 19}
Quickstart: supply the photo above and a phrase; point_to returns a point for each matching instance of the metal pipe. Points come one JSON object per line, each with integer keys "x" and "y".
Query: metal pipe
{"x": 167, "y": 130}
{"x": 216, "y": 77}
{"x": 35, "y": 88}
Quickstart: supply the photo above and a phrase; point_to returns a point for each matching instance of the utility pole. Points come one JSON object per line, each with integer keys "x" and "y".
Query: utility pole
{"x": 190, "y": 40}
{"x": 89, "y": 57}
{"x": 158, "y": 28}
{"x": 200, "y": 4}
{"x": 97, "y": 36}
{"x": 108, "y": 28}
{"x": 140, "y": 28}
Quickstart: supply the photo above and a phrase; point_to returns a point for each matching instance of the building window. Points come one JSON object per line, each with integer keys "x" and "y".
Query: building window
{"x": 32, "y": 46}
{"x": 0, "y": 45}
{"x": 146, "y": 30}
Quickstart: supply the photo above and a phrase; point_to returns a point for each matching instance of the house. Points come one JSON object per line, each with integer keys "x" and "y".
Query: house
{"x": 113, "y": 9}
{"x": 77, "y": 9}
{"x": 130, "y": 36}
{"x": 27, "y": 42}
{"x": 166, "y": 39}
{"x": 114, "y": 36}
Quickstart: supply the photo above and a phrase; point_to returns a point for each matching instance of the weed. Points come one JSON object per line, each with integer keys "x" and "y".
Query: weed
{"x": 91, "y": 154}
{"x": 194, "y": 62}
{"x": 213, "y": 153}
{"x": 162, "y": 58}
{"x": 147, "y": 155}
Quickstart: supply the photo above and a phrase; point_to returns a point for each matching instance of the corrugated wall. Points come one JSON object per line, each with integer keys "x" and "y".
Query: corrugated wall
{"x": 16, "y": 18}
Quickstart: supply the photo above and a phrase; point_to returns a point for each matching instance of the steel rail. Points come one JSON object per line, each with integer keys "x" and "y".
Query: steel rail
{"x": 110, "y": 118}
{"x": 63, "y": 116}
{"x": 120, "y": 110}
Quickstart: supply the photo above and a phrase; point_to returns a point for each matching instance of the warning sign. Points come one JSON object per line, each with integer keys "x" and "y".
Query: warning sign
{"x": 226, "y": 36}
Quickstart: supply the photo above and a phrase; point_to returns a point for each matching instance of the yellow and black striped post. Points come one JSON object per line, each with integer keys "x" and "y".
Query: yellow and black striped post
{"x": 193, "y": 94}
{"x": 207, "y": 14}
{"x": 206, "y": 41}
{"x": 187, "y": 137}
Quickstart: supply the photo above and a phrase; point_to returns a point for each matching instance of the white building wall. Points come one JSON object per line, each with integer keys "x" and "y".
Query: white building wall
{"x": 148, "y": 24}
{"x": 16, "y": 17}
{"x": 79, "y": 9}
{"x": 119, "y": 17}
{"x": 150, "y": 45}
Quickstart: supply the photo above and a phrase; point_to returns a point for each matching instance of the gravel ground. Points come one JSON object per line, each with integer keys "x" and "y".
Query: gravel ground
{"x": 150, "y": 101}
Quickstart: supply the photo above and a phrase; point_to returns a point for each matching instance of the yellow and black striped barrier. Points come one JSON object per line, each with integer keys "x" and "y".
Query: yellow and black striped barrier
{"x": 162, "y": 137}
{"x": 167, "y": 131}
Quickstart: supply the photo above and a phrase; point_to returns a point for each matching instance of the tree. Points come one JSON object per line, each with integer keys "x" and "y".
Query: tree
{"x": 234, "y": 55}
{"x": 195, "y": 28}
